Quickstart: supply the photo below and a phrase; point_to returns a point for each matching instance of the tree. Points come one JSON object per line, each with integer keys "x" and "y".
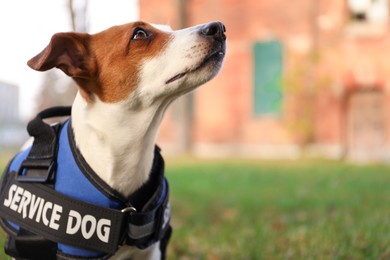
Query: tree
{"x": 57, "y": 89}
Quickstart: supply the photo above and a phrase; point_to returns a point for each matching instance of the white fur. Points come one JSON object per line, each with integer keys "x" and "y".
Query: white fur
{"x": 117, "y": 139}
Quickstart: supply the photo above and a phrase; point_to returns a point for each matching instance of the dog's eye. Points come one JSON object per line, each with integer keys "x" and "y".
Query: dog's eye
{"x": 139, "y": 34}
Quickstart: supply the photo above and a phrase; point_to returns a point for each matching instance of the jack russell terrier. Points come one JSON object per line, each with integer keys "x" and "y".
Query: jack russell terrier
{"x": 93, "y": 187}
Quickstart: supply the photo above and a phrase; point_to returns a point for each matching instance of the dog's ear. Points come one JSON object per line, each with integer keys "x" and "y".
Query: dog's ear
{"x": 68, "y": 52}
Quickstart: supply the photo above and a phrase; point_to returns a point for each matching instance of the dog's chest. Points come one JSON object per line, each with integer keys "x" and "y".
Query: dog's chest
{"x": 78, "y": 211}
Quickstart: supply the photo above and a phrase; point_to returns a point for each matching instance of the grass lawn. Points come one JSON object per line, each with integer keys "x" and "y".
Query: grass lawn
{"x": 278, "y": 210}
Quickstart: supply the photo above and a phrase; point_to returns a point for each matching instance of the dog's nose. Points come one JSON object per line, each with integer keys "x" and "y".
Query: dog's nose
{"x": 214, "y": 29}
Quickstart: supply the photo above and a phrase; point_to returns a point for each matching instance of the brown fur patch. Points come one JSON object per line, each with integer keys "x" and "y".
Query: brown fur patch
{"x": 118, "y": 59}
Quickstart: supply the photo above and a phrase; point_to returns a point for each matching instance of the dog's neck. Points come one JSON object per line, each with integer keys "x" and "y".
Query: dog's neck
{"x": 118, "y": 145}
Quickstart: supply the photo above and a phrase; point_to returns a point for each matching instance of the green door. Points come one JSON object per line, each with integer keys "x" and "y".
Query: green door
{"x": 268, "y": 65}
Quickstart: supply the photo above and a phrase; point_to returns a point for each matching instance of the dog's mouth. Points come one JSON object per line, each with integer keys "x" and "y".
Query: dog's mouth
{"x": 214, "y": 57}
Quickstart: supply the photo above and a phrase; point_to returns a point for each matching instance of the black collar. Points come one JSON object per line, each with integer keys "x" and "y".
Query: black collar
{"x": 141, "y": 228}
{"x": 151, "y": 200}
{"x": 140, "y": 199}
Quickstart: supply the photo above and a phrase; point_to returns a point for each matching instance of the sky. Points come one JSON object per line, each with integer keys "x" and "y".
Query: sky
{"x": 26, "y": 27}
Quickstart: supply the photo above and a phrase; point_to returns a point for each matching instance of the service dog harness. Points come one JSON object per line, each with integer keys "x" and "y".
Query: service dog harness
{"x": 54, "y": 206}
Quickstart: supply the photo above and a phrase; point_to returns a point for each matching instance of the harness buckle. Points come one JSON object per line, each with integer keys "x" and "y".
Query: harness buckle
{"x": 36, "y": 170}
{"x": 129, "y": 210}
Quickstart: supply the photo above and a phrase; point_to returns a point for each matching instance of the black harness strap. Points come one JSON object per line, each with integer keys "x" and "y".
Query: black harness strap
{"x": 60, "y": 224}
{"x": 39, "y": 166}
{"x": 143, "y": 221}
{"x": 27, "y": 245}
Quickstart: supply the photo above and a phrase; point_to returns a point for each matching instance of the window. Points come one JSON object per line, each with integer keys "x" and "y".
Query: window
{"x": 368, "y": 17}
{"x": 268, "y": 64}
{"x": 370, "y": 11}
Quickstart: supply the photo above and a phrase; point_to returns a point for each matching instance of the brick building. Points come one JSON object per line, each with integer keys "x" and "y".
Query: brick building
{"x": 304, "y": 73}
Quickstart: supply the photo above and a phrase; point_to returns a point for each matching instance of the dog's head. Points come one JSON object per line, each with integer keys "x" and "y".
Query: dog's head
{"x": 136, "y": 62}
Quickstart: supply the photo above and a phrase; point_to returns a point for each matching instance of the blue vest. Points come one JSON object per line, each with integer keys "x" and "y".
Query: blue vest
{"x": 148, "y": 207}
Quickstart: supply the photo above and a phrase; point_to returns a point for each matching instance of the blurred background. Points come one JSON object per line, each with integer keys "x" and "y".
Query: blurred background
{"x": 289, "y": 144}
{"x": 302, "y": 78}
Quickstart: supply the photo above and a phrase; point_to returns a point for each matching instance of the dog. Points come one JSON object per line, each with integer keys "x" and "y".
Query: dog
{"x": 127, "y": 76}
